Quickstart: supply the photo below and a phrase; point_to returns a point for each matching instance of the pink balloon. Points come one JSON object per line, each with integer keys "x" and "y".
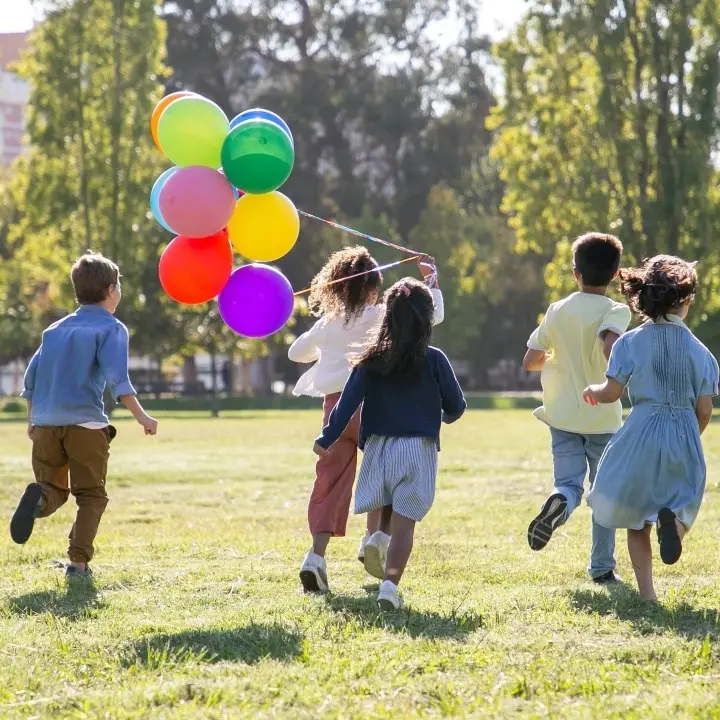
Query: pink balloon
{"x": 197, "y": 201}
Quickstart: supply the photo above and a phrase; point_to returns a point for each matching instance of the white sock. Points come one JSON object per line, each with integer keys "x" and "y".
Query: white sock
{"x": 389, "y": 585}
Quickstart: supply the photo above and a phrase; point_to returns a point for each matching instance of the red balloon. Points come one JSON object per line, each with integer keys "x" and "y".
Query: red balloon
{"x": 195, "y": 270}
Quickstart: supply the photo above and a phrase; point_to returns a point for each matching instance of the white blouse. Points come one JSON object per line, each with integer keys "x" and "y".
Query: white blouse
{"x": 330, "y": 344}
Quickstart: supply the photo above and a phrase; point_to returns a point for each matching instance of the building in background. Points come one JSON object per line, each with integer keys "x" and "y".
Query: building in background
{"x": 14, "y": 94}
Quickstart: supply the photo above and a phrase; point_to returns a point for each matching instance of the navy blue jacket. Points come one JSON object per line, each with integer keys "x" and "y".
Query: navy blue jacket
{"x": 398, "y": 408}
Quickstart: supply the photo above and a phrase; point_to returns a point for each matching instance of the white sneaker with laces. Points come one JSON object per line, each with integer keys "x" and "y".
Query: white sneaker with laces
{"x": 313, "y": 574}
{"x": 361, "y": 550}
{"x": 376, "y": 554}
{"x": 389, "y": 598}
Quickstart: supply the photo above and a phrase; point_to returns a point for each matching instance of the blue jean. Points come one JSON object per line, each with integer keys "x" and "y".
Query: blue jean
{"x": 576, "y": 457}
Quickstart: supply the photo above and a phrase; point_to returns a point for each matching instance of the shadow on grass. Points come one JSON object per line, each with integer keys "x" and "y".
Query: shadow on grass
{"x": 455, "y": 625}
{"x": 247, "y": 645}
{"x": 75, "y": 602}
{"x": 647, "y": 617}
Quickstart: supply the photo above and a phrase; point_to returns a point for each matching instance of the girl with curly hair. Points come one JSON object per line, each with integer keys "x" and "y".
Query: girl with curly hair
{"x": 406, "y": 389}
{"x": 653, "y": 470}
{"x": 349, "y": 310}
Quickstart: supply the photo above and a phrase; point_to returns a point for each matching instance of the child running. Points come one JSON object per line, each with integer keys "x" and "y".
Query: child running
{"x": 653, "y": 470}
{"x": 406, "y": 389}
{"x": 348, "y": 312}
{"x": 68, "y": 426}
{"x": 571, "y": 347}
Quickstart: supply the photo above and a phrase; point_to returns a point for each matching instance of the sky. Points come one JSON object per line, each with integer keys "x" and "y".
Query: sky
{"x": 498, "y": 16}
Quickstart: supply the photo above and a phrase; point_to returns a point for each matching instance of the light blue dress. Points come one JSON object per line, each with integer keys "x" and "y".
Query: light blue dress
{"x": 656, "y": 459}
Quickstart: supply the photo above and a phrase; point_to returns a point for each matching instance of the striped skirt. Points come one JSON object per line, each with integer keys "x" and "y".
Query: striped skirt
{"x": 397, "y": 471}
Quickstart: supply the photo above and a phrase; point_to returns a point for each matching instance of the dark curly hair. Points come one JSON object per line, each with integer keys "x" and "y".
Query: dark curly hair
{"x": 661, "y": 284}
{"x": 401, "y": 342}
{"x": 349, "y": 298}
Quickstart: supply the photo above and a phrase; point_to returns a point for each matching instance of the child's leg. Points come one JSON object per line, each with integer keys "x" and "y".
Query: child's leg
{"x": 329, "y": 504}
{"x": 375, "y": 547}
{"x": 50, "y": 466}
{"x": 373, "y": 521}
{"x": 569, "y": 469}
{"x": 640, "y": 550}
{"x": 50, "y": 489}
{"x": 385, "y": 516}
{"x": 401, "y": 544}
{"x": 602, "y": 555}
{"x": 88, "y": 452}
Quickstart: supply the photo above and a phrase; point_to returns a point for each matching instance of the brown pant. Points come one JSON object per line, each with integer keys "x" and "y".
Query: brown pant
{"x": 81, "y": 454}
{"x": 334, "y": 478}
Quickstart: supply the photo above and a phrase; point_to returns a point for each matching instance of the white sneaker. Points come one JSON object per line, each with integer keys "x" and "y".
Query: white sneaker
{"x": 361, "y": 550}
{"x": 389, "y": 598}
{"x": 313, "y": 574}
{"x": 376, "y": 549}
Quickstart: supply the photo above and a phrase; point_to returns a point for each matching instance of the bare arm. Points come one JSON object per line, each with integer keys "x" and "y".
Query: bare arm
{"x": 609, "y": 392}
{"x": 609, "y": 338}
{"x": 704, "y": 411}
{"x": 134, "y": 406}
{"x": 29, "y": 413}
{"x": 534, "y": 360}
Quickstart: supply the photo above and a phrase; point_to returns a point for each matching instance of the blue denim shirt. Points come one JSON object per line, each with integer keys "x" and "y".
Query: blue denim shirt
{"x": 78, "y": 356}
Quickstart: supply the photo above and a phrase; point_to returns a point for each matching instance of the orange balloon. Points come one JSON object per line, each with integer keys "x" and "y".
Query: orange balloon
{"x": 195, "y": 270}
{"x": 157, "y": 112}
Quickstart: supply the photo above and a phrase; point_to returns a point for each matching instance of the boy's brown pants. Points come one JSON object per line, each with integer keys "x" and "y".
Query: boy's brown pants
{"x": 81, "y": 455}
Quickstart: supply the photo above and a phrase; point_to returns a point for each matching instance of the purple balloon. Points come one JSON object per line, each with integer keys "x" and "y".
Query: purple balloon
{"x": 257, "y": 301}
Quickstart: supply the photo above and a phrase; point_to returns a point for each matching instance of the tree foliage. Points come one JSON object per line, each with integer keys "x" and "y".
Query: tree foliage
{"x": 610, "y": 121}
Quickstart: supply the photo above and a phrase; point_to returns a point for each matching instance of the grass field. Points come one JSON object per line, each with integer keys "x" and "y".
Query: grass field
{"x": 197, "y": 611}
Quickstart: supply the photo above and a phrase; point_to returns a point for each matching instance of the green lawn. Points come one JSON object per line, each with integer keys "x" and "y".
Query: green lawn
{"x": 197, "y": 609}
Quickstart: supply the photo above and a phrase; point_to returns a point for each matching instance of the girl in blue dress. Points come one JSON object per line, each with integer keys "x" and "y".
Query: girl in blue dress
{"x": 653, "y": 470}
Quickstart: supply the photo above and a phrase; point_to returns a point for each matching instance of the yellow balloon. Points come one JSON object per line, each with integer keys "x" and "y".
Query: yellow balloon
{"x": 265, "y": 227}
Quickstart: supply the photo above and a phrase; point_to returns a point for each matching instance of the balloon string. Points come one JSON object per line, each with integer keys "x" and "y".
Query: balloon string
{"x": 366, "y": 272}
{"x": 359, "y": 234}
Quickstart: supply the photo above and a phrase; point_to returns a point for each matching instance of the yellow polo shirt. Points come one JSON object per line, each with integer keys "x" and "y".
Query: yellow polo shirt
{"x": 571, "y": 332}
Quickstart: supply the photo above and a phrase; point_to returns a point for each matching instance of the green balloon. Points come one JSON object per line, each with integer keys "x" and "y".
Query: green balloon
{"x": 191, "y": 131}
{"x": 257, "y": 156}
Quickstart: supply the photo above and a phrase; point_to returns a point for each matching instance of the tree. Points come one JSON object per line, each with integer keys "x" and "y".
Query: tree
{"x": 609, "y": 121}
{"x": 95, "y": 70}
{"x": 363, "y": 85}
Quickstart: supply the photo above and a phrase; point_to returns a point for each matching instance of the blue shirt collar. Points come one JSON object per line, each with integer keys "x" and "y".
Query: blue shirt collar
{"x": 95, "y": 309}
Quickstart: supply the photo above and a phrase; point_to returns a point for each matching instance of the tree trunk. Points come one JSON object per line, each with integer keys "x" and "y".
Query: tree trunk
{"x": 189, "y": 373}
{"x": 213, "y": 386}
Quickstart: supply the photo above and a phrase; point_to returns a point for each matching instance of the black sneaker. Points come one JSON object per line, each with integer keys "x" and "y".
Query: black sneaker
{"x": 21, "y": 525}
{"x": 542, "y": 527}
{"x": 609, "y": 578}
{"x": 670, "y": 543}
{"x": 72, "y": 573}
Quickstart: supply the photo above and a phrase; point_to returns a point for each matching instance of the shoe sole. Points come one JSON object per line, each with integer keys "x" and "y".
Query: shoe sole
{"x": 373, "y": 562}
{"x": 23, "y": 521}
{"x": 310, "y": 583}
{"x": 670, "y": 543}
{"x": 542, "y": 527}
{"x": 386, "y": 606}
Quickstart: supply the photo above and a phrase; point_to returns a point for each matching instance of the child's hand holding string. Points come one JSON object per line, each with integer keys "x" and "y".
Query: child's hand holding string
{"x": 428, "y": 269}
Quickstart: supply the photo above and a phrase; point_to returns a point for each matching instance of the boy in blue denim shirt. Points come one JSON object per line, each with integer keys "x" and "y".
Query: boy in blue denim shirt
{"x": 64, "y": 383}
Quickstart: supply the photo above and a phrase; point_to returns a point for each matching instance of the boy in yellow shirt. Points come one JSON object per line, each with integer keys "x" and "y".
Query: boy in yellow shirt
{"x": 571, "y": 347}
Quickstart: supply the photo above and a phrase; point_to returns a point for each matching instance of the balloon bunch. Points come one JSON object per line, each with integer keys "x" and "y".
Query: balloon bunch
{"x": 223, "y": 189}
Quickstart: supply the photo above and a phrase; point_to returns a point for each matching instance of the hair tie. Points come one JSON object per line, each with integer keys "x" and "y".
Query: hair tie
{"x": 405, "y": 290}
